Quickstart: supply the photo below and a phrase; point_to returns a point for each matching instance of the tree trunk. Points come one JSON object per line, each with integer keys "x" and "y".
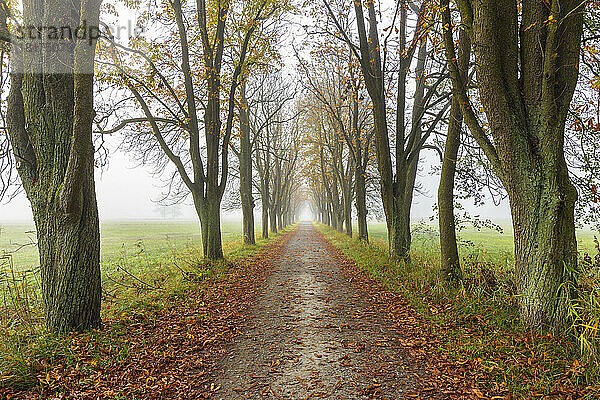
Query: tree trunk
{"x": 326, "y": 219}
{"x": 348, "y": 216}
{"x": 399, "y": 239}
{"x": 398, "y": 247}
{"x": 70, "y": 266}
{"x": 248, "y": 221}
{"x": 265, "y": 220}
{"x": 526, "y": 83}
{"x": 409, "y": 169}
{"x": 212, "y": 244}
{"x": 450, "y": 262}
{"x": 340, "y": 218}
{"x": 337, "y": 206}
{"x": 361, "y": 204}
{"x": 273, "y": 219}
{"x": 545, "y": 248}
{"x": 245, "y": 157}
{"x": 280, "y": 224}
{"x": 209, "y": 213}
{"x": 49, "y": 121}
{"x": 406, "y": 201}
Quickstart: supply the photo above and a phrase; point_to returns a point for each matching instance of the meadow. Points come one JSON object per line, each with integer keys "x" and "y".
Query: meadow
{"x": 145, "y": 265}
{"x": 156, "y": 240}
{"x": 119, "y": 238}
{"x": 486, "y": 240}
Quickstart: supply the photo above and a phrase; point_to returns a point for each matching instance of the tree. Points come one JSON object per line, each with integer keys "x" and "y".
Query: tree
{"x": 49, "y": 121}
{"x": 450, "y": 262}
{"x": 527, "y": 67}
{"x": 262, "y": 57}
{"x": 267, "y": 115}
{"x": 245, "y": 157}
{"x": 193, "y": 76}
{"x": 397, "y": 170}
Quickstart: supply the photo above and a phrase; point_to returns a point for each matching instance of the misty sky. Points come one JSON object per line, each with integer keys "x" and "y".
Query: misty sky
{"x": 128, "y": 191}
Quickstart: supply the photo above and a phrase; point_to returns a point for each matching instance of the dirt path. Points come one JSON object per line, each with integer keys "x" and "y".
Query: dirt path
{"x": 314, "y": 335}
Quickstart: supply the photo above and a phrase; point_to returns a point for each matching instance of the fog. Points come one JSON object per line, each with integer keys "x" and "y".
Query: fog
{"x": 128, "y": 191}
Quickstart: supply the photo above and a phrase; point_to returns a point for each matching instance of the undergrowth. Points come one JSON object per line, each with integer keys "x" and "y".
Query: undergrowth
{"x": 479, "y": 320}
{"x": 135, "y": 284}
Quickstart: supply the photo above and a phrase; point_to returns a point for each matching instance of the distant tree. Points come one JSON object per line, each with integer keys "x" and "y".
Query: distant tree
{"x": 171, "y": 211}
{"x": 174, "y": 80}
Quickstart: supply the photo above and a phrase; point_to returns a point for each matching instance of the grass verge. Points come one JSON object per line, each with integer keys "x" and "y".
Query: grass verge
{"x": 478, "y": 323}
{"x": 175, "y": 296}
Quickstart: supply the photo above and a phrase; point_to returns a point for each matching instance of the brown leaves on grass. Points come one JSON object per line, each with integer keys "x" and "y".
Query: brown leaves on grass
{"x": 170, "y": 353}
{"x": 429, "y": 345}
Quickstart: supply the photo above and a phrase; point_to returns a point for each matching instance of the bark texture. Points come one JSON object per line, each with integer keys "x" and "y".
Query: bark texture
{"x": 527, "y": 75}
{"x": 450, "y": 261}
{"x": 50, "y": 112}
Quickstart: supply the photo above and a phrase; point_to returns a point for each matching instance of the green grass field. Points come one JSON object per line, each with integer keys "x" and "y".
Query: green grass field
{"x": 143, "y": 253}
{"x": 118, "y": 238}
{"x": 156, "y": 239}
{"x": 488, "y": 241}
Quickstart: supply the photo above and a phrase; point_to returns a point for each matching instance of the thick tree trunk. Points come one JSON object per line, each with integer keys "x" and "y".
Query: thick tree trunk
{"x": 280, "y": 223}
{"x": 70, "y": 264}
{"x": 209, "y": 213}
{"x": 545, "y": 248}
{"x": 49, "y": 122}
{"x": 406, "y": 205}
{"x": 212, "y": 244}
{"x": 331, "y": 216}
{"x": 348, "y": 216}
{"x": 337, "y": 207}
{"x": 399, "y": 239}
{"x": 248, "y": 221}
{"x": 273, "y": 219}
{"x": 340, "y": 220}
{"x": 326, "y": 219}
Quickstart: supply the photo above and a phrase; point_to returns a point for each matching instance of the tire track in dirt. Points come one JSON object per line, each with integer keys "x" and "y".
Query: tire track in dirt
{"x": 313, "y": 335}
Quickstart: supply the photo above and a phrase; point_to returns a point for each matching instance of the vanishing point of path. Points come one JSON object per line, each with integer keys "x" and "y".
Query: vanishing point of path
{"x": 314, "y": 335}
